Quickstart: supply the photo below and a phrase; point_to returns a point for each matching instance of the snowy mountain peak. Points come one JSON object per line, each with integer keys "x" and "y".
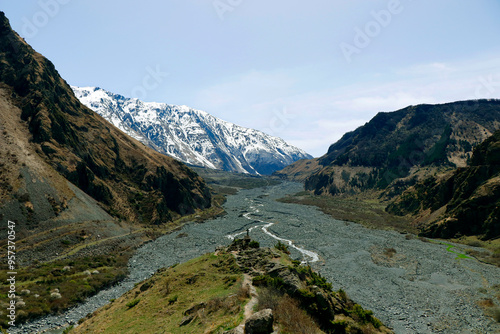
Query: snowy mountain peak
{"x": 192, "y": 136}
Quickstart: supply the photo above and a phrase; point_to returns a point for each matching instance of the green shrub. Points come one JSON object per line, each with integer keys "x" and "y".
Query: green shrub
{"x": 339, "y": 326}
{"x": 254, "y": 244}
{"x": 313, "y": 278}
{"x": 342, "y": 294}
{"x": 365, "y": 316}
{"x": 173, "y": 299}
{"x": 145, "y": 286}
{"x": 67, "y": 330}
{"x": 132, "y": 303}
{"x": 282, "y": 247}
{"x": 266, "y": 280}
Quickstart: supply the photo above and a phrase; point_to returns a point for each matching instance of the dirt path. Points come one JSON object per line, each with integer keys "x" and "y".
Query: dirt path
{"x": 247, "y": 282}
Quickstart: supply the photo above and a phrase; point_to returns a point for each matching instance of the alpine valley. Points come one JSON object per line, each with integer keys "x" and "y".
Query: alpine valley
{"x": 124, "y": 216}
{"x": 192, "y": 136}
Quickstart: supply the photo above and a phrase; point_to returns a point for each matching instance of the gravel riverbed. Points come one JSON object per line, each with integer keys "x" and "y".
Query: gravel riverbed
{"x": 411, "y": 285}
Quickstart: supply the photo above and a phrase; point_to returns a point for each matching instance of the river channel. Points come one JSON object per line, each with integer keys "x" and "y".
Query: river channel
{"x": 411, "y": 286}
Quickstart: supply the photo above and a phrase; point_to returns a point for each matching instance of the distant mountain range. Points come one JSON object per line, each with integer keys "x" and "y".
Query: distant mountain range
{"x": 192, "y": 136}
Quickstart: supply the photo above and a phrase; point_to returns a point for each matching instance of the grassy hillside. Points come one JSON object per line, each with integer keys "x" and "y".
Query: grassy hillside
{"x": 221, "y": 291}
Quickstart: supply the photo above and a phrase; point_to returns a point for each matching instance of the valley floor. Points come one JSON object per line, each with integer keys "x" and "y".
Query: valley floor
{"x": 411, "y": 285}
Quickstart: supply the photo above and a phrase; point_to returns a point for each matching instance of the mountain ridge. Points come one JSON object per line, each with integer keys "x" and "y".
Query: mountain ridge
{"x": 437, "y": 165}
{"x": 80, "y": 145}
{"x": 393, "y": 147}
{"x": 192, "y": 136}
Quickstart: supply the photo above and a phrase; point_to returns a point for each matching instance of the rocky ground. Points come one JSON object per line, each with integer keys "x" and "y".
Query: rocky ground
{"x": 411, "y": 285}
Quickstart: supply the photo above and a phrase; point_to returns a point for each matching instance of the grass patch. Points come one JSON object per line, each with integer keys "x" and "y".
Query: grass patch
{"x": 55, "y": 286}
{"x": 459, "y": 255}
{"x": 491, "y": 249}
{"x": 203, "y": 295}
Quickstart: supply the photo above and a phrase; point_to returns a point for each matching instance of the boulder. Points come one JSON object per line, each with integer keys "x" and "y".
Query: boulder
{"x": 260, "y": 323}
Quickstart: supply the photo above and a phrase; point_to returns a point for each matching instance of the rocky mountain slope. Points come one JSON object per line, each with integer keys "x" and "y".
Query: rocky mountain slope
{"x": 192, "y": 136}
{"x": 238, "y": 289}
{"x": 124, "y": 177}
{"x": 464, "y": 202}
{"x": 397, "y": 148}
{"x": 74, "y": 186}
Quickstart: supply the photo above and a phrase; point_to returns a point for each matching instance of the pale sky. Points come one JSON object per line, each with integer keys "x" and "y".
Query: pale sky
{"x": 304, "y": 71}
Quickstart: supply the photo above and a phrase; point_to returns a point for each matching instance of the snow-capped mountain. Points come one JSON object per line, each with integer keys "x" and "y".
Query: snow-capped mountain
{"x": 192, "y": 136}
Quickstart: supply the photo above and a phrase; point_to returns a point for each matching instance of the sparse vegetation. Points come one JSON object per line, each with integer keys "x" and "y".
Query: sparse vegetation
{"x": 211, "y": 291}
{"x": 366, "y": 209}
{"x": 389, "y": 252}
{"x": 282, "y": 247}
{"x": 364, "y": 316}
{"x": 73, "y": 279}
{"x": 292, "y": 318}
{"x": 304, "y": 310}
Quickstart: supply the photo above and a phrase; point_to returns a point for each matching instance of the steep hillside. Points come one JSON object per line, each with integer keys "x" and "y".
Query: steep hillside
{"x": 404, "y": 146}
{"x": 299, "y": 171}
{"x": 192, "y": 136}
{"x": 465, "y": 202}
{"x": 238, "y": 289}
{"x": 74, "y": 186}
{"x": 127, "y": 179}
